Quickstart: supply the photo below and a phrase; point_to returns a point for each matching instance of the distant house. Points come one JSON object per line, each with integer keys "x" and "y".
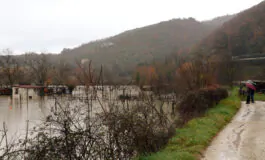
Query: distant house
{"x": 85, "y": 60}
{"x": 106, "y": 44}
{"x": 24, "y": 92}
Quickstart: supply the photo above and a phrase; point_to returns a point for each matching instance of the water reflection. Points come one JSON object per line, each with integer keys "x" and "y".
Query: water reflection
{"x": 15, "y": 114}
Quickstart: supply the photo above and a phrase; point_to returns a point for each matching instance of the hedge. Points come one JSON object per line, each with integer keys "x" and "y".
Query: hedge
{"x": 190, "y": 141}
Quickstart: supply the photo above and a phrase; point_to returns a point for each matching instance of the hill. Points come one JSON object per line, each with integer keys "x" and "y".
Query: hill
{"x": 124, "y": 51}
{"x": 244, "y": 34}
{"x": 219, "y": 21}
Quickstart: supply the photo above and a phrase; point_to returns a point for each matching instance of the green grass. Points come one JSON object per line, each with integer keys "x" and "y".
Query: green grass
{"x": 257, "y": 97}
{"x": 190, "y": 141}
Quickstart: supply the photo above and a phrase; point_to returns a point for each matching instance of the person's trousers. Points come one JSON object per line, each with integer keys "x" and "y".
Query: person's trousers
{"x": 250, "y": 97}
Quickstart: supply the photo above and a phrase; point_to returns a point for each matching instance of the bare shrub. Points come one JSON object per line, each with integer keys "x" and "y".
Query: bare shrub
{"x": 139, "y": 128}
{"x": 195, "y": 103}
{"x": 121, "y": 130}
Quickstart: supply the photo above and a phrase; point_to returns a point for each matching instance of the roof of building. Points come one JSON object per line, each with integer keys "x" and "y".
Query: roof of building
{"x": 28, "y": 86}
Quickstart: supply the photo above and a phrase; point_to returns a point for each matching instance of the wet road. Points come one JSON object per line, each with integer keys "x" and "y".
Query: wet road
{"x": 243, "y": 138}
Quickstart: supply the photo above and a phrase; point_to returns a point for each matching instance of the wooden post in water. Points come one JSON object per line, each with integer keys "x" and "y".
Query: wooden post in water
{"x": 20, "y": 100}
{"x": 27, "y": 102}
{"x": 5, "y": 136}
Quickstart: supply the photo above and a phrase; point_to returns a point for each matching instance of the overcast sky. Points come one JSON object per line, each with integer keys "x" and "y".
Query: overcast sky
{"x": 51, "y": 25}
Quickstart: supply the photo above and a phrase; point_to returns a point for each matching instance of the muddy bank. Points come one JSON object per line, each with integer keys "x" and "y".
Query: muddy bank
{"x": 243, "y": 138}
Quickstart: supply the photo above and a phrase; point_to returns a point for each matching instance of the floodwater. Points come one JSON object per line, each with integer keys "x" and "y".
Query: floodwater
{"x": 15, "y": 114}
{"x": 243, "y": 138}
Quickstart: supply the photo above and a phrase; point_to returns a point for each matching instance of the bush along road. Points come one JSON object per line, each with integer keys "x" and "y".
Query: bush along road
{"x": 190, "y": 141}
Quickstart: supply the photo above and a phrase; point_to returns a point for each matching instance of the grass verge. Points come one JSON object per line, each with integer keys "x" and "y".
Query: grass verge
{"x": 257, "y": 97}
{"x": 190, "y": 141}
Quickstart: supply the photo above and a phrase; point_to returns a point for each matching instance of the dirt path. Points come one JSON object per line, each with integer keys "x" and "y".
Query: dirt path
{"x": 243, "y": 138}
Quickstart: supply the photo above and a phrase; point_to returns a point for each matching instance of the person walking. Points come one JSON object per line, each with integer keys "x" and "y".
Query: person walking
{"x": 250, "y": 91}
{"x": 250, "y": 95}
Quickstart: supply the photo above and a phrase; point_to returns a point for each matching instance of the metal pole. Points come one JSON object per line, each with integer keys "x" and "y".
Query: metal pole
{"x": 27, "y": 102}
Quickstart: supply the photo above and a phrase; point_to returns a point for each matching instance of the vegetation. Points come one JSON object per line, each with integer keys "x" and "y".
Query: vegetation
{"x": 257, "y": 97}
{"x": 195, "y": 103}
{"x": 219, "y": 21}
{"x": 118, "y": 130}
{"x": 123, "y": 129}
{"x": 155, "y": 55}
{"x": 123, "y": 52}
{"x": 158, "y": 46}
{"x": 190, "y": 141}
{"x": 242, "y": 35}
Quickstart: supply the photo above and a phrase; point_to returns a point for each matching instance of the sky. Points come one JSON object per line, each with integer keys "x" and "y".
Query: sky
{"x": 51, "y": 25}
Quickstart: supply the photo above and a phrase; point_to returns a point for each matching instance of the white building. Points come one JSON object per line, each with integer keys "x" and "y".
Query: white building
{"x": 85, "y": 60}
{"x": 106, "y": 92}
{"x": 24, "y": 92}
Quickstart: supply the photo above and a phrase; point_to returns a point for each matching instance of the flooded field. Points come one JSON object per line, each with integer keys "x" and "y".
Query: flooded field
{"x": 49, "y": 115}
{"x": 15, "y": 113}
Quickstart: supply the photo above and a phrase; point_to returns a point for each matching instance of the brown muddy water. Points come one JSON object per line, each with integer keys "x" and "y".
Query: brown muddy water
{"x": 15, "y": 113}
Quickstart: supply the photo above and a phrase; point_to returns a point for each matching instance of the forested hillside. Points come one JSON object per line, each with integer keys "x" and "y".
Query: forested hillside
{"x": 219, "y": 21}
{"x": 121, "y": 53}
{"x": 243, "y": 34}
{"x": 155, "y": 48}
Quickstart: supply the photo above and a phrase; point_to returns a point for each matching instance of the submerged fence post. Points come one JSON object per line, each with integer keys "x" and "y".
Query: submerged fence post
{"x": 5, "y": 136}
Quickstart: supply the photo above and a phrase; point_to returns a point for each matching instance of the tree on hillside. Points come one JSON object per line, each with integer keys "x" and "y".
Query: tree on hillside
{"x": 146, "y": 75}
{"x": 126, "y": 50}
{"x": 198, "y": 73}
{"x": 228, "y": 69}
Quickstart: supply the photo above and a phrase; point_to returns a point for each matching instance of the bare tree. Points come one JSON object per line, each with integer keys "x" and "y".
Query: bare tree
{"x": 10, "y": 68}
{"x": 121, "y": 130}
{"x": 199, "y": 72}
{"x": 39, "y": 66}
{"x": 61, "y": 72}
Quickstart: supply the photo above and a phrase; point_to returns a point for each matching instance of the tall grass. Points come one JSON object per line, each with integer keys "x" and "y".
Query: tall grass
{"x": 190, "y": 141}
